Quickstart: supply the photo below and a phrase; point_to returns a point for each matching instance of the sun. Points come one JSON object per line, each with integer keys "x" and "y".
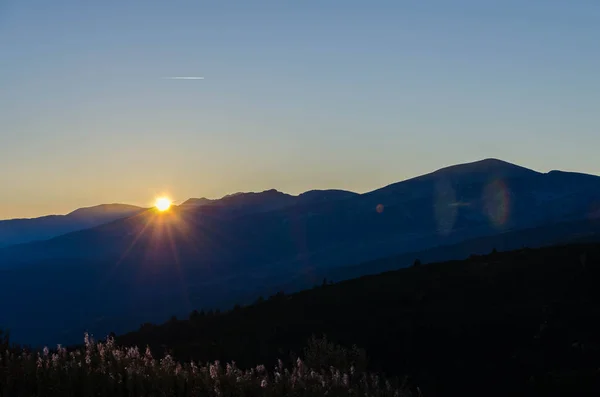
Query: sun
{"x": 163, "y": 203}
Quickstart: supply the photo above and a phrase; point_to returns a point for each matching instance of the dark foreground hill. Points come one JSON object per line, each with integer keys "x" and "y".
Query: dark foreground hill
{"x": 524, "y": 322}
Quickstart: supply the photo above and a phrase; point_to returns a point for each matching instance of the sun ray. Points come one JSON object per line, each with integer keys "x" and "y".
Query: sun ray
{"x": 133, "y": 243}
{"x": 178, "y": 267}
{"x": 163, "y": 234}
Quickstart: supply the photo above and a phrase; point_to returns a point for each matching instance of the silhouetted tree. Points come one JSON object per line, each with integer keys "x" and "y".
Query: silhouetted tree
{"x": 417, "y": 262}
{"x": 146, "y": 326}
{"x": 278, "y": 295}
{"x": 194, "y": 316}
{"x": 4, "y": 340}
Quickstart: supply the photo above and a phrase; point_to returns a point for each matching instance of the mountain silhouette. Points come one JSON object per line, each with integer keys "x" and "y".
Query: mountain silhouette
{"x": 193, "y": 256}
{"x": 196, "y": 202}
{"x": 243, "y": 203}
{"x": 16, "y": 231}
{"x": 487, "y": 168}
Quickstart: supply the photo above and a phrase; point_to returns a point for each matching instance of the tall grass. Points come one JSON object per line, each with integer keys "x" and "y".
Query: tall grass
{"x": 104, "y": 369}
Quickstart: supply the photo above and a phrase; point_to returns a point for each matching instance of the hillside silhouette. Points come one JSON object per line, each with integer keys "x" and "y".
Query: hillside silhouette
{"x": 522, "y": 322}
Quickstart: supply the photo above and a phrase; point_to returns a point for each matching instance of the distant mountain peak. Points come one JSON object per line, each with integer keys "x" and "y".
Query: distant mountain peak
{"x": 264, "y": 192}
{"x": 325, "y": 195}
{"x": 17, "y": 231}
{"x": 197, "y": 201}
{"x": 491, "y": 166}
{"x": 233, "y": 194}
{"x": 105, "y": 209}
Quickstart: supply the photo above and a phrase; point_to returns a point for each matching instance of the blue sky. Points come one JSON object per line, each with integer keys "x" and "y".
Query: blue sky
{"x": 297, "y": 95}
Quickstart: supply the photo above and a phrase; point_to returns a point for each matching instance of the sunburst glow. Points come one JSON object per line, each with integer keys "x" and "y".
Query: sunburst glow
{"x": 163, "y": 204}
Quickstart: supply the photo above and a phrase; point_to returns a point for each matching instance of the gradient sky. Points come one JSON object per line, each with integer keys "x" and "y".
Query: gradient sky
{"x": 297, "y": 95}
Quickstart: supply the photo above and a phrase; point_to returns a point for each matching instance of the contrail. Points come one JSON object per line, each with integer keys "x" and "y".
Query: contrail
{"x": 185, "y": 78}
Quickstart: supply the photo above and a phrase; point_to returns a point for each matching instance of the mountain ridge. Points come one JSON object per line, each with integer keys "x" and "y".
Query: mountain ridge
{"x": 24, "y": 230}
{"x": 104, "y": 208}
{"x": 490, "y": 165}
{"x": 158, "y": 263}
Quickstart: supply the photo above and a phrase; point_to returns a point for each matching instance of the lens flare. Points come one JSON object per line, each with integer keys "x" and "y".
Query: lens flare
{"x": 445, "y": 209}
{"x": 496, "y": 201}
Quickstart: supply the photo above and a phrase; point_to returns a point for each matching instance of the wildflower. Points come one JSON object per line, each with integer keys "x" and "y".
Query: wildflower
{"x": 118, "y": 354}
{"x": 148, "y": 359}
{"x": 133, "y": 353}
{"x": 336, "y": 376}
{"x": 110, "y": 343}
{"x": 213, "y": 371}
{"x": 263, "y": 383}
{"x": 346, "y": 380}
{"x": 46, "y": 351}
{"x": 167, "y": 363}
{"x": 375, "y": 380}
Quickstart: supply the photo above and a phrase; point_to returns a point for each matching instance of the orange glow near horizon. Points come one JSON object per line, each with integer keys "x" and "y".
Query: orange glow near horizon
{"x": 163, "y": 203}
